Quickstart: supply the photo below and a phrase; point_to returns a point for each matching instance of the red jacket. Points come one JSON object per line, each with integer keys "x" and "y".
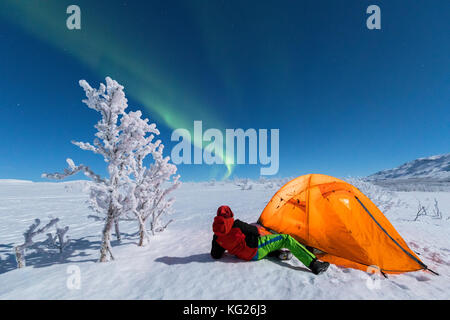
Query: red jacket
{"x": 237, "y": 237}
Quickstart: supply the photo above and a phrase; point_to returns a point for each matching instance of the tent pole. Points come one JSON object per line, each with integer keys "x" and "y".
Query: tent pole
{"x": 433, "y": 272}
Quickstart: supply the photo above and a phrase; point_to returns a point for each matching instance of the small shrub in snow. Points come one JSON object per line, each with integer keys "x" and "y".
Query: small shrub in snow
{"x": 269, "y": 185}
{"x": 243, "y": 184}
{"x": 436, "y": 210}
{"x": 59, "y": 240}
{"x": 31, "y": 232}
{"x": 266, "y": 183}
{"x": 421, "y": 211}
{"x": 424, "y": 211}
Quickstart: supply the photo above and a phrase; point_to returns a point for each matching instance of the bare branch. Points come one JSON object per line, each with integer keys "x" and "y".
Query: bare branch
{"x": 72, "y": 170}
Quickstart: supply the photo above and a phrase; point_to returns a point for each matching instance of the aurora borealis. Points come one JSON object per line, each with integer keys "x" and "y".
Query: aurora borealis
{"x": 310, "y": 69}
{"x": 109, "y": 52}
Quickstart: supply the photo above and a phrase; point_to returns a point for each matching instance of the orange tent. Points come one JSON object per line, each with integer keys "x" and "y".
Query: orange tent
{"x": 336, "y": 218}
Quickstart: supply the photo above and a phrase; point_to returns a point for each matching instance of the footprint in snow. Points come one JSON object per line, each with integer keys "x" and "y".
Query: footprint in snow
{"x": 401, "y": 286}
{"x": 422, "y": 278}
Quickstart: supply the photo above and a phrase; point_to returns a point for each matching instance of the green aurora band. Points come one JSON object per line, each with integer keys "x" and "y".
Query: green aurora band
{"x": 106, "y": 54}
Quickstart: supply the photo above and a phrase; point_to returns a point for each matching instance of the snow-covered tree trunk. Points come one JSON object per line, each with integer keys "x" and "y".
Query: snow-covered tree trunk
{"x": 143, "y": 235}
{"x": 106, "y": 250}
{"x": 20, "y": 256}
{"x": 117, "y": 229}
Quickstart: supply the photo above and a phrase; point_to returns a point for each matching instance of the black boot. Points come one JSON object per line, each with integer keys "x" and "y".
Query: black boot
{"x": 317, "y": 267}
{"x": 284, "y": 255}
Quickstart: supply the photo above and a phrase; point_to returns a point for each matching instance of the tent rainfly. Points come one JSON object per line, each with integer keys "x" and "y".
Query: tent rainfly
{"x": 343, "y": 224}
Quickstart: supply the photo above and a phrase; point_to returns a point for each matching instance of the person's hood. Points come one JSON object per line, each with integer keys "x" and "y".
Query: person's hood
{"x": 225, "y": 212}
{"x": 221, "y": 226}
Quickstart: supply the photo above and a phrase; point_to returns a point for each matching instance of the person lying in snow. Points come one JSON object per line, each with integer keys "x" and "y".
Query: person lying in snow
{"x": 244, "y": 241}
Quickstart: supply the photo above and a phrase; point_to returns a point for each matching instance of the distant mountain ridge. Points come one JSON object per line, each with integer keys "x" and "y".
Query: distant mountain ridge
{"x": 15, "y": 181}
{"x": 434, "y": 168}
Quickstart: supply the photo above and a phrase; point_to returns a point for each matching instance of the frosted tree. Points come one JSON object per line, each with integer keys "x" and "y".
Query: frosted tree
{"x": 124, "y": 140}
{"x": 108, "y": 194}
{"x": 151, "y": 185}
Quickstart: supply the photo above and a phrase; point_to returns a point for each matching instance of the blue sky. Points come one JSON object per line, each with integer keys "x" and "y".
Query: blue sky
{"x": 347, "y": 100}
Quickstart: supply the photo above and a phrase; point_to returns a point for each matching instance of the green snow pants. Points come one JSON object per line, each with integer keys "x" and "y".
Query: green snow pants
{"x": 273, "y": 242}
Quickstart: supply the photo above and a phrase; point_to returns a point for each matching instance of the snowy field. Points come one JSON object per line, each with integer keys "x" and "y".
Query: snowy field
{"x": 177, "y": 265}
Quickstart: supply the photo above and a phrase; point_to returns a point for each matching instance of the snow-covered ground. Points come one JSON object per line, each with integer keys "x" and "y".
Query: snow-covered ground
{"x": 177, "y": 265}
